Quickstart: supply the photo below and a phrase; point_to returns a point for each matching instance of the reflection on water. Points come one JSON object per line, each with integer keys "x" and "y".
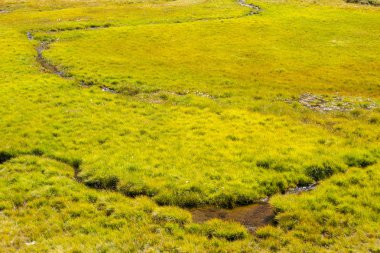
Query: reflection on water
{"x": 252, "y": 216}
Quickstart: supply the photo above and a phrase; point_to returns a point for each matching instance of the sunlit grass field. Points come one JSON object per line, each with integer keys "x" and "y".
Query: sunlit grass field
{"x": 163, "y": 106}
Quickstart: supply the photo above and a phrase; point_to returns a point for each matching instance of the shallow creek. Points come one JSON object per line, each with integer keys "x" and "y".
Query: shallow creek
{"x": 251, "y": 216}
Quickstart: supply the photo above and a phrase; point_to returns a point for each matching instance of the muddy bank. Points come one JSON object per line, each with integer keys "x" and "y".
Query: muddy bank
{"x": 46, "y": 65}
{"x": 251, "y": 216}
{"x": 53, "y": 69}
{"x": 300, "y": 189}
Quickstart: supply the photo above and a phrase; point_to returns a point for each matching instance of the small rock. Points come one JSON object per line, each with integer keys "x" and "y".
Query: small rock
{"x": 29, "y": 35}
{"x": 106, "y": 89}
{"x": 325, "y": 103}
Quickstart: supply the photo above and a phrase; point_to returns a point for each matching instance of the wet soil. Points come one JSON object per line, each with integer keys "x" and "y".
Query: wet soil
{"x": 46, "y": 65}
{"x": 300, "y": 189}
{"x": 252, "y": 216}
{"x": 29, "y": 35}
{"x": 106, "y": 89}
{"x": 255, "y": 9}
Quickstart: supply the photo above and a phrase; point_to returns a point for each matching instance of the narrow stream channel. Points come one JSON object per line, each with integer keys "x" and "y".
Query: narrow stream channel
{"x": 251, "y": 216}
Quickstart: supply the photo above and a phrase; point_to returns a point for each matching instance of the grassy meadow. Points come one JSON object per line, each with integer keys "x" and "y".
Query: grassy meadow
{"x": 162, "y": 106}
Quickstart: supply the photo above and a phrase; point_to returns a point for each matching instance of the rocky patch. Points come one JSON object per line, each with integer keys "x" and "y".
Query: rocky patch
{"x": 328, "y": 103}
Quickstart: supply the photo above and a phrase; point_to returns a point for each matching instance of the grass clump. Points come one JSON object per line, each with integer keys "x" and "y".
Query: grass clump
{"x": 182, "y": 198}
{"x": 268, "y": 232}
{"x": 330, "y": 216}
{"x": 134, "y": 189}
{"x": 274, "y": 164}
{"x": 171, "y": 215}
{"x": 365, "y": 2}
{"x": 360, "y": 159}
{"x": 224, "y": 230}
{"x": 232, "y": 199}
{"x": 324, "y": 169}
{"x": 109, "y": 182}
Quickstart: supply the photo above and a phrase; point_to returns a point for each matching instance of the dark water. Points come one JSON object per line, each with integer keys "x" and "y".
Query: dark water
{"x": 47, "y": 66}
{"x": 252, "y": 216}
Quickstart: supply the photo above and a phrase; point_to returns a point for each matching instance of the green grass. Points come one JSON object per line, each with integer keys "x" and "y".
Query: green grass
{"x": 341, "y": 215}
{"x": 207, "y": 112}
{"x": 68, "y": 216}
{"x": 299, "y": 54}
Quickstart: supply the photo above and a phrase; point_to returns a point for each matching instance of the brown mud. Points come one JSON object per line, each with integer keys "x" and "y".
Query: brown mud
{"x": 251, "y": 216}
{"x": 45, "y": 64}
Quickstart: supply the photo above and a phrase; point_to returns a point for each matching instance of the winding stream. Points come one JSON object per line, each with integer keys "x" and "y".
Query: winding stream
{"x": 51, "y": 68}
{"x": 255, "y": 9}
{"x": 251, "y": 216}
{"x": 46, "y": 65}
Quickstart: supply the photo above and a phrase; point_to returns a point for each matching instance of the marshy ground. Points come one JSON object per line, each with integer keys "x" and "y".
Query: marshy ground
{"x": 205, "y": 126}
